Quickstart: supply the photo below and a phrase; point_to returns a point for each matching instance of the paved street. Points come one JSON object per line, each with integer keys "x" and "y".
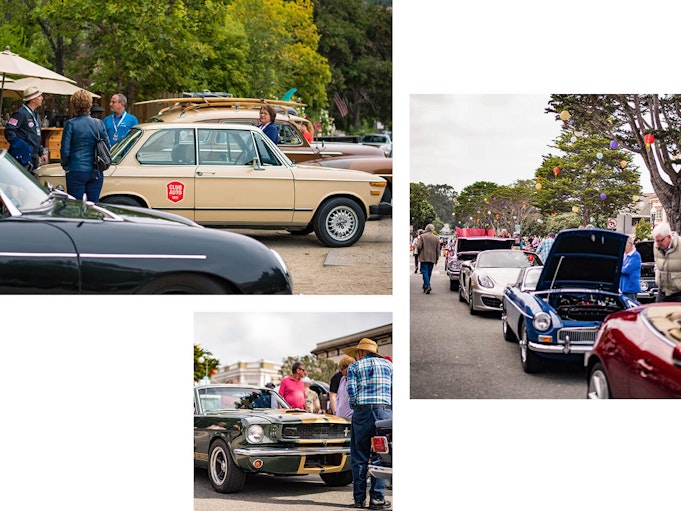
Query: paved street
{"x": 456, "y": 355}
{"x": 273, "y": 494}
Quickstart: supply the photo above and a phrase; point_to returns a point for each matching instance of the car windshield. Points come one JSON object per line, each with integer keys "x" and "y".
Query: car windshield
{"x": 374, "y": 139}
{"x": 239, "y": 398}
{"x": 506, "y": 259}
{"x": 22, "y": 189}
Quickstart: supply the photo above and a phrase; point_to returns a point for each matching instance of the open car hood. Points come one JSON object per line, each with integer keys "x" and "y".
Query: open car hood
{"x": 584, "y": 258}
{"x": 480, "y": 243}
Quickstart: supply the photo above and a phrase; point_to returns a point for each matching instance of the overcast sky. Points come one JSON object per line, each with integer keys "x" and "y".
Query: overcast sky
{"x": 458, "y": 139}
{"x": 237, "y": 336}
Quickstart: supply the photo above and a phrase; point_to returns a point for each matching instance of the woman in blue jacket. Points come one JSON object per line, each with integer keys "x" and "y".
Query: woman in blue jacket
{"x": 267, "y": 116}
{"x": 78, "y": 149}
{"x": 630, "y": 280}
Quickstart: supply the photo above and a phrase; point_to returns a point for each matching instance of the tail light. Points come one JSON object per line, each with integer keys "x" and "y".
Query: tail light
{"x": 379, "y": 444}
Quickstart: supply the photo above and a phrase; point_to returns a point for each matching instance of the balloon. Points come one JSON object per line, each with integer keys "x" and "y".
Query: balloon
{"x": 623, "y": 163}
{"x": 599, "y": 156}
{"x": 538, "y": 186}
{"x": 648, "y": 139}
{"x": 614, "y": 144}
{"x": 602, "y": 196}
{"x": 635, "y": 198}
{"x": 213, "y": 372}
{"x": 575, "y": 209}
{"x": 578, "y": 133}
{"x": 556, "y": 170}
{"x": 573, "y": 139}
{"x": 564, "y": 115}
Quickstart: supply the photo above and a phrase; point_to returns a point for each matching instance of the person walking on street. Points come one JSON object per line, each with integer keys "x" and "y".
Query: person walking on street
{"x": 415, "y": 250}
{"x": 23, "y": 132}
{"x": 77, "y": 150}
{"x": 630, "y": 280}
{"x": 369, "y": 387}
{"x": 544, "y": 246}
{"x": 119, "y": 122}
{"x": 428, "y": 246}
{"x": 292, "y": 388}
{"x": 667, "y": 263}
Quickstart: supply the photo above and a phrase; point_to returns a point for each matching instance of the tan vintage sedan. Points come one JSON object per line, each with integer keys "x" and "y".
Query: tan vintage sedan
{"x": 232, "y": 175}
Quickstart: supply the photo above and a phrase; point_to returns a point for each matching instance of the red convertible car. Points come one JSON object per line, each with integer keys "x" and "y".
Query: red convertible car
{"x": 637, "y": 354}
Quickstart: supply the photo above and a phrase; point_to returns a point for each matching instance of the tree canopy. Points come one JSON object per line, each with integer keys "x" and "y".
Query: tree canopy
{"x": 630, "y": 120}
{"x": 250, "y": 48}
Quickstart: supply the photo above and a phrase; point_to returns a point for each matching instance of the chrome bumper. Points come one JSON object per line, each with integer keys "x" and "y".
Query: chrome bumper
{"x": 311, "y": 451}
{"x": 565, "y": 349}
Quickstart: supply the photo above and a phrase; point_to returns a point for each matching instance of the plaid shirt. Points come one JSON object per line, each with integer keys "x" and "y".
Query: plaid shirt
{"x": 370, "y": 381}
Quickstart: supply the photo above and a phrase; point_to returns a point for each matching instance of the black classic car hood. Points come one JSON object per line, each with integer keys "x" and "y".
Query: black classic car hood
{"x": 584, "y": 258}
{"x": 480, "y": 243}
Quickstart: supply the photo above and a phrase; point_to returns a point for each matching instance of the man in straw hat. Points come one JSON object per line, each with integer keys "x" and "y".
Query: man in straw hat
{"x": 23, "y": 131}
{"x": 369, "y": 387}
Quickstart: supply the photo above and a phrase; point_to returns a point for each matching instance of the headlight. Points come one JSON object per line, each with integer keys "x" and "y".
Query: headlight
{"x": 541, "y": 322}
{"x": 644, "y": 285}
{"x": 485, "y": 281}
{"x": 255, "y": 434}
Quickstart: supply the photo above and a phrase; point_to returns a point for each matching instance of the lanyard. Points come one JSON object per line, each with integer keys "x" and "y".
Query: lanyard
{"x": 115, "y": 126}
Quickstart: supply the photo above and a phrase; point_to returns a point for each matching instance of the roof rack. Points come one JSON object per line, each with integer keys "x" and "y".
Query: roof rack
{"x": 221, "y": 101}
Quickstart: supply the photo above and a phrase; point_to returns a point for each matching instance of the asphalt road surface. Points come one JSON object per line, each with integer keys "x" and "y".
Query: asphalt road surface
{"x": 455, "y": 355}
{"x": 274, "y": 494}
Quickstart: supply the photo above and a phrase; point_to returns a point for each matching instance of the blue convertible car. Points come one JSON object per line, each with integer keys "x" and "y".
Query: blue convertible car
{"x": 555, "y": 311}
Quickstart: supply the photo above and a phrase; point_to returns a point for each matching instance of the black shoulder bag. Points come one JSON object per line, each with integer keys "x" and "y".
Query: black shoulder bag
{"x": 102, "y": 155}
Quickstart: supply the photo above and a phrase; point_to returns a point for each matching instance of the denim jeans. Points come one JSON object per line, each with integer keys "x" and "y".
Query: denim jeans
{"x": 427, "y": 272}
{"x": 79, "y": 183}
{"x": 363, "y": 428}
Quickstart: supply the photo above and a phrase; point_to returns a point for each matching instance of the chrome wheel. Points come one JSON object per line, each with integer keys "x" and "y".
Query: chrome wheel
{"x": 218, "y": 466}
{"x": 598, "y": 384}
{"x": 341, "y": 223}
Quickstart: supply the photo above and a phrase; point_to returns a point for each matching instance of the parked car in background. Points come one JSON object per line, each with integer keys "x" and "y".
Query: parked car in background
{"x": 241, "y": 430}
{"x": 648, "y": 286}
{"x": 232, "y": 175}
{"x": 51, "y": 243}
{"x": 637, "y": 354}
{"x": 345, "y": 155}
{"x": 465, "y": 248}
{"x": 382, "y": 445}
{"x": 578, "y": 287}
{"x": 380, "y": 140}
{"x": 484, "y": 279}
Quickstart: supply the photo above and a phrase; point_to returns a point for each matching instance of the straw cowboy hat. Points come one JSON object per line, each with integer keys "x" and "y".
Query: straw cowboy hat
{"x": 365, "y": 344}
{"x": 31, "y": 93}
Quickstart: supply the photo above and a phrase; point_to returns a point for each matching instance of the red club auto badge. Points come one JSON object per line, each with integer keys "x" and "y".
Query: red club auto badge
{"x": 175, "y": 191}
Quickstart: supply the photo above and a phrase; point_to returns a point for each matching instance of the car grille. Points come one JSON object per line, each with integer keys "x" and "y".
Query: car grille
{"x": 490, "y": 301}
{"x": 583, "y": 336}
{"x": 648, "y": 271}
{"x": 315, "y": 431}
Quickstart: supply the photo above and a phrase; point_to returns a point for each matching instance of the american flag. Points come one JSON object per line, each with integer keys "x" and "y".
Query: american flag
{"x": 340, "y": 104}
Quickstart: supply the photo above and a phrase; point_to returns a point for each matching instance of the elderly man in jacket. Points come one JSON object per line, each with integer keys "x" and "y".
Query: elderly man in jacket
{"x": 667, "y": 263}
{"x": 428, "y": 246}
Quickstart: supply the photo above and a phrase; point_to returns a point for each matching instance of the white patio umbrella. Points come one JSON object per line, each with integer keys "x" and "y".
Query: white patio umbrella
{"x": 14, "y": 65}
{"x": 45, "y": 85}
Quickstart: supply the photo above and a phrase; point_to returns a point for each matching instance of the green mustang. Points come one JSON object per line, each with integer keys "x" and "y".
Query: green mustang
{"x": 241, "y": 429}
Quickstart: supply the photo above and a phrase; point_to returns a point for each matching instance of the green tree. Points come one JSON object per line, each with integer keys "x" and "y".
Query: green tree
{"x": 443, "y": 200}
{"x": 587, "y": 178}
{"x": 473, "y": 205}
{"x": 357, "y": 41}
{"x": 643, "y": 230}
{"x": 204, "y": 363}
{"x": 421, "y": 212}
{"x": 320, "y": 369}
{"x": 626, "y": 119}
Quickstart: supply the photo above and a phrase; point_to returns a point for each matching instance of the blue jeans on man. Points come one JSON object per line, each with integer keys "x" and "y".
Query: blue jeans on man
{"x": 89, "y": 183}
{"x": 363, "y": 428}
{"x": 427, "y": 272}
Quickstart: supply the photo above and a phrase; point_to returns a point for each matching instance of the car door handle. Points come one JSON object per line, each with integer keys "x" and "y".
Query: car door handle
{"x": 644, "y": 367}
{"x": 204, "y": 173}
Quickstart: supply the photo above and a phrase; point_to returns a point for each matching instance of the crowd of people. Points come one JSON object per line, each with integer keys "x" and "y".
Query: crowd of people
{"x": 361, "y": 391}
{"x": 426, "y": 248}
{"x": 80, "y": 136}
